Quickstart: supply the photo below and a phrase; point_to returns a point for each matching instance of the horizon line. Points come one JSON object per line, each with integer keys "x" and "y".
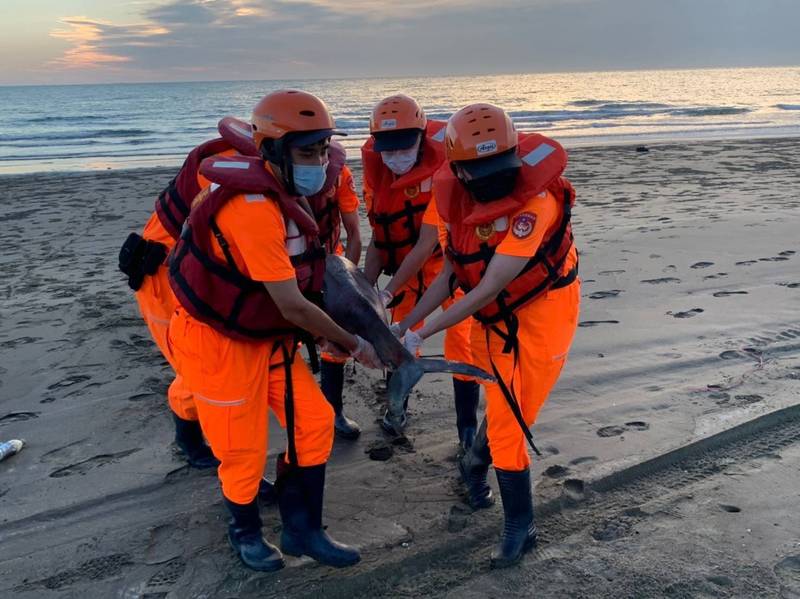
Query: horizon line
{"x": 426, "y": 76}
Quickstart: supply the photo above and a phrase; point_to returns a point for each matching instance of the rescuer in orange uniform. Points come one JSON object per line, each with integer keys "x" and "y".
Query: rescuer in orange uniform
{"x": 400, "y": 158}
{"x": 143, "y": 259}
{"x": 505, "y": 212}
{"x": 246, "y": 272}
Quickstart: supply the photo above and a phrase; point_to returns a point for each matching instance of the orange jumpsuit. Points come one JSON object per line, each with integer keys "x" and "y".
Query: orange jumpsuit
{"x": 233, "y": 382}
{"x": 456, "y": 338}
{"x": 546, "y": 328}
{"x": 157, "y": 303}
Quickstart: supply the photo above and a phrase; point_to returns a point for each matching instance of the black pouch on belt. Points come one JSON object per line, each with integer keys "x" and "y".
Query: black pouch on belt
{"x": 139, "y": 257}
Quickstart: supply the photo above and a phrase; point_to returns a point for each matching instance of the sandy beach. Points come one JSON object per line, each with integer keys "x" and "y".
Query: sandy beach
{"x": 690, "y": 326}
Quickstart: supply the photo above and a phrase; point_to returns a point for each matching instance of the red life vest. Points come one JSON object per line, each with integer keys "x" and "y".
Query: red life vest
{"x": 473, "y": 235}
{"x": 215, "y": 291}
{"x": 398, "y": 203}
{"x": 323, "y": 203}
{"x": 172, "y": 205}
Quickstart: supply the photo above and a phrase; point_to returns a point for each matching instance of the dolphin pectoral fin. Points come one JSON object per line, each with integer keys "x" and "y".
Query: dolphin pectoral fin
{"x": 438, "y": 365}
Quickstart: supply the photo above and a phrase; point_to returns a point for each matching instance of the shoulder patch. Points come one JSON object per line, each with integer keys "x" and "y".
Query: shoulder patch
{"x": 523, "y": 225}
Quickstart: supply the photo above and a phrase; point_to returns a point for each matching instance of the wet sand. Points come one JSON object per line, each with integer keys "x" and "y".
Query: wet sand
{"x": 689, "y": 326}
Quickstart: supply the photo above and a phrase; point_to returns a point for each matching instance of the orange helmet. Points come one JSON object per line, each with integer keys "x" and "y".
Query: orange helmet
{"x": 292, "y": 111}
{"x": 479, "y": 131}
{"x": 395, "y": 123}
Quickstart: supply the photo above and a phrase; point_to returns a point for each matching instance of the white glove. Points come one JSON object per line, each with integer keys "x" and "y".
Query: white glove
{"x": 366, "y": 354}
{"x": 412, "y": 342}
{"x": 386, "y": 297}
{"x": 395, "y": 329}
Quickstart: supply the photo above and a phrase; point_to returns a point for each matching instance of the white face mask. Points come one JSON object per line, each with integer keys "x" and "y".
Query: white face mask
{"x": 401, "y": 161}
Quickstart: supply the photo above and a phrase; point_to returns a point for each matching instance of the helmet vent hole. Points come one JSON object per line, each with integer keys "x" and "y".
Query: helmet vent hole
{"x": 490, "y": 130}
{"x": 307, "y": 112}
{"x": 472, "y": 120}
{"x": 486, "y": 116}
{"x": 476, "y": 133}
{"x": 485, "y": 108}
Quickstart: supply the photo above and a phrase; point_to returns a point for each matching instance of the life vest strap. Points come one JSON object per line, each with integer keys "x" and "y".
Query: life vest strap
{"x": 170, "y": 192}
{"x": 508, "y": 390}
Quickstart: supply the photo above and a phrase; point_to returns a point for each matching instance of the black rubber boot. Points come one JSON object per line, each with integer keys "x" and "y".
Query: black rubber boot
{"x": 332, "y": 383}
{"x": 467, "y": 395}
{"x": 266, "y": 492}
{"x": 244, "y": 533}
{"x": 189, "y": 439}
{"x": 519, "y": 529}
{"x": 300, "y": 491}
{"x": 474, "y": 467}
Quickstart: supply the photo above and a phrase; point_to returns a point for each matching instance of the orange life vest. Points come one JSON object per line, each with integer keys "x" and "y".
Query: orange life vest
{"x": 324, "y": 204}
{"x": 399, "y": 203}
{"x": 473, "y": 234}
{"x": 172, "y": 205}
{"x": 215, "y": 291}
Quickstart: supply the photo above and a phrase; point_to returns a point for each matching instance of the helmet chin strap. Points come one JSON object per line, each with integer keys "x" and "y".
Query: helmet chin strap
{"x": 278, "y": 153}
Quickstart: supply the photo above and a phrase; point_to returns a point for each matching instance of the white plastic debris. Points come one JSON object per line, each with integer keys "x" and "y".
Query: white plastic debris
{"x": 9, "y": 448}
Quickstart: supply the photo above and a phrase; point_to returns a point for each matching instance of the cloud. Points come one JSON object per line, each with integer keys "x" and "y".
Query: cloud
{"x": 276, "y": 39}
{"x": 98, "y": 43}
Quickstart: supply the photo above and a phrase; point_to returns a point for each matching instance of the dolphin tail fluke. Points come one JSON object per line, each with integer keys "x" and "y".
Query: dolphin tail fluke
{"x": 438, "y": 365}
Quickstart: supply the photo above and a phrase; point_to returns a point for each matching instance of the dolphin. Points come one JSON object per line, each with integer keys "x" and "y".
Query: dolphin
{"x": 354, "y": 305}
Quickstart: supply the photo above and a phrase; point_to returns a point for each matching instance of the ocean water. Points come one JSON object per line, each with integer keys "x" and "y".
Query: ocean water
{"x": 83, "y": 127}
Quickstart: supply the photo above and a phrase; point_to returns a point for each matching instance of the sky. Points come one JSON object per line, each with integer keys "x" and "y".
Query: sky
{"x": 101, "y": 41}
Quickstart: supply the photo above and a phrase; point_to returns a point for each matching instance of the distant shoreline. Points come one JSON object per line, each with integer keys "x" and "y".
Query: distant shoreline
{"x": 573, "y": 144}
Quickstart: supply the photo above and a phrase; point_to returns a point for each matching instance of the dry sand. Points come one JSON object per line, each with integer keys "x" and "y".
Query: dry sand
{"x": 689, "y": 326}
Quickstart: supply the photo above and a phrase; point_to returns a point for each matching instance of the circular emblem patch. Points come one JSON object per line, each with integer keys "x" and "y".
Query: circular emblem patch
{"x": 484, "y": 232}
{"x": 523, "y": 225}
{"x": 412, "y": 192}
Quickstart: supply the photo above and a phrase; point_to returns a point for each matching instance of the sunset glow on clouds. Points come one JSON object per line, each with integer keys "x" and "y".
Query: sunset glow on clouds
{"x": 147, "y": 40}
{"x": 87, "y": 37}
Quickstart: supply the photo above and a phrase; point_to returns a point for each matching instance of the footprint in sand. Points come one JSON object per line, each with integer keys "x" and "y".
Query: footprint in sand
{"x": 617, "y": 430}
{"x": 583, "y": 460}
{"x": 70, "y": 380}
{"x": 93, "y": 462}
{"x": 774, "y": 259}
{"x": 727, "y": 293}
{"x": 611, "y": 272}
{"x": 605, "y": 294}
{"x": 716, "y": 276}
{"x": 638, "y": 425}
{"x": 787, "y": 253}
{"x": 18, "y": 417}
{"x": 702, "y": 264}
{"x": 594, "y": 323}
{"x": 746, "y": 262}
{"x": 661, "y": 281}
{"x": 731, "y": 509}
{"x": 730, "y": 355}
{"x": 753, "y": 398}
{"x": 688, "y": 314}
{"x": 788, "y": 572}
{"x": 556, "y": 471}
{"x": 789, "y": 285}
{"x": 610, "y": 431}
{"x": 19, "y": 341}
